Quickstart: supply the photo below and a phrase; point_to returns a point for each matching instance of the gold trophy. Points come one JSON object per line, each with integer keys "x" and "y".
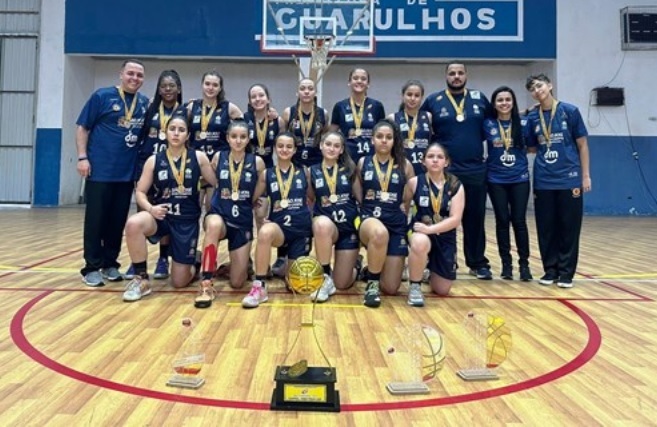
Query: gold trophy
{"x": 490, "y": 342}
{"x": 189, "y": 361}
{"x": 300, "y": 387}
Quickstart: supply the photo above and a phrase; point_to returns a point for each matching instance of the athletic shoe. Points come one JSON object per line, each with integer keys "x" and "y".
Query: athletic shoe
{"x": 547, "y": 279}
{"x": 327, "y": 290}
{"x": 112, "y": 274}
{"x": 161, "y": 269}
{"x": 93, "y": 279}
{"x": 507, "y": 272}
{"x": 256, "y": 296}
{"x": 372, "y": 294}
{"x": 205, "y": 295}
{"x": 415, "y": 297}
{"x": 565, "y": 283}
{"x": 136, "y": 289}
{"x": 278, "y": 269}
{"x": 525, "y": 273}
{"x": 482, "y": 273}
{"x": 359, "y": 268}
{"x": 129, "y": 273}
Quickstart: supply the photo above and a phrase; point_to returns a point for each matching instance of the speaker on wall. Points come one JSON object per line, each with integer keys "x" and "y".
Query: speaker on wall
{"x": 609, "y": 96}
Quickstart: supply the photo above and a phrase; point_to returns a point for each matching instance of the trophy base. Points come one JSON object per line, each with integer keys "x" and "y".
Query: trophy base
{"x": 478, "y": 374}
{"x": 312, "y": 391}
{"x": 414, "y": 387}
{"x": 185, "y": 382}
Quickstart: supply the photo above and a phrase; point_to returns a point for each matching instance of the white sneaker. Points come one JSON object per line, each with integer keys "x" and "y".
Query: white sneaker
{"x": 136, "y": 289}
{"x": 415, "y": 297}
{"x": 256, "y": 296}
{"x": 327, "y": 289}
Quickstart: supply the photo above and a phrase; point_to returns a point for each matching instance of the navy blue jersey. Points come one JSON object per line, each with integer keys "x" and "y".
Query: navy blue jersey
{"x": 112, "y": 147}
{"x": 270, "y": 138}
{"x": 463, "y": 140}
{"x": 505, "y": 166}
{"x": 388, "y": 211}
{"x": 308, "y": 152}
{"x": 345, "y": 210}
{"x": 342, "y": 116}
{"x": 236, "y": 213}
{"x": 216, "y": 131}
{"x": 294, "y": 219}
{"x": 183, "y": 205}
{"x": 424, "y": 208}
{"x": 152, "y": 143}
{"x": 415, "y": 149}
{"x": 558, "y": 166}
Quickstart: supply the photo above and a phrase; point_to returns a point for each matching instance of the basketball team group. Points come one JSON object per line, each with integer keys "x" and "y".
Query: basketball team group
{"x": 297, "y": 180}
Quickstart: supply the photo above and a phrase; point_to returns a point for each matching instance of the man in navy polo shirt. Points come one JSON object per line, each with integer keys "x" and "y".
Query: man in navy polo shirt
{"x": 458, "y": 114}
{"x": 107, "y": 143}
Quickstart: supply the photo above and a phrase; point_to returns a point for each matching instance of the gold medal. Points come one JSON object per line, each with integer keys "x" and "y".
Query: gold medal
{"x": 385, "y": 196}
{"x": 384, "y": 179}
{"x": 127, "y": 114}
{"x": 235, "y": 196}
{"x": 358, "y": 132}
{"x": 162, "y": 135}
{"x": 284, "y": 185}
{"x": 436, "y": 218}
{"x": 460, "y": 117}
{"x": 460, "y": 107}
{"x": 235, "y": 175}
{"x": 122, "y": 122}
{"x": 333, "y": 198}
{"x": 285, "y": 203}
{"x": 202, "y": 135}
{"x": 426, "y": 220}
{"x": 178, "y": 173}
{"x": 410, "y": 144}
{"x": 206, "y": 116}
{"x": 181, "y": 189}
{"x": 358, "y": 115}
{"x": 262, "y": 151}
{"x": 547, "y": 129}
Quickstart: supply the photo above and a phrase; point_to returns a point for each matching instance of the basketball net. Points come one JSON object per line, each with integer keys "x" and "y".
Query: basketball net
{"x": 319, "y": 47}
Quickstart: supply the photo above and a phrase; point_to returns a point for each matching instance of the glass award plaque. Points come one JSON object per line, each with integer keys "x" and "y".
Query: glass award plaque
{"x": 189, "y": 361}
{"x": 488, "y": 345}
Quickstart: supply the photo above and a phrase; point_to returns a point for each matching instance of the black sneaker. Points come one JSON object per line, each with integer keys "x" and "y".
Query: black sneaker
{"x": 372, "y": 294}
{"x": 525, "y": 273}
{"x": 482, "y": 273}
{"x": 547, "y": 279}
{"x": 359, "y": 268}
{"x": 507, "y": 272}
{"x": 565, "y": 283}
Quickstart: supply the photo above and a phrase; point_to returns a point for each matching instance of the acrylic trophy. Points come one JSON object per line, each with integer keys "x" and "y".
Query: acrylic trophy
{"x": 189, "y": 361}
{"x": 300, "y": 387}
{"x": 488, "y": 345}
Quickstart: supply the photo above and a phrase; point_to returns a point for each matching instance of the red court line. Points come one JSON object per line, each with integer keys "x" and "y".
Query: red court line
{"x": 589, "y": 351}
{"x": 44, "y": 261}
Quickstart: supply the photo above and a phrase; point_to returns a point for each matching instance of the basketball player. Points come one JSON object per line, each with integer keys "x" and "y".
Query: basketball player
{"x": 439, "y": 199}
{"x": 556, "y": 132}
{"x": 175, "y": 175}
{"x": 231, "y": 214}
{"x": 334, "y": 185}
{"x": 384, "y": 224}
{"x": 356, "y": 116}
{"x": 289, "y": 221}
{"x": 107, "y": 139}
{"x": 508, "y": 180}
{"x": 458, "y": 115}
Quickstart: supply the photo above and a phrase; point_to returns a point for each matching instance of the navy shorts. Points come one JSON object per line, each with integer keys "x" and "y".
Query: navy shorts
{"x": 184, "y": 239}
{"x": 397, "y": 240}
{"x": 347, "y": 240}
{"x": 237, "y": 237}
{"x": 297, "y": 245}
{"x": 442, "y": 257}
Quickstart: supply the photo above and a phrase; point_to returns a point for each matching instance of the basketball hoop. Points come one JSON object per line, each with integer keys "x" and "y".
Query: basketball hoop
{"x": 319, "y": 47}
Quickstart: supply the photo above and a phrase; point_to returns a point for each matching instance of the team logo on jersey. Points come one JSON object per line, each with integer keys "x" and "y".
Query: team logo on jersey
{"x": 196, "y": 119}
{"x": 508, "y": 159}
{"x": 439, "y": 98}
{"x": 576, "y": 193}
{"x": 223, "y": 174}
{"x": 443, "y": 112}
{"x": 475, "y": 94}
{"x": 116, "y": 107}
{"x": 551, "y": 156}
{"x": 403, "y": 127}
{"x": 395, "y": 178}
{"x": 217, "y": 120}
{"x": 475, "y": 108}
{"x": 493, "y": 131}
{"x": 564, "y": 125}
{"x": 369, "y": 116}
{"x": 251, "y": 133}
{"x": 274, "y": 187}
{"x": 299, "y": 183}
{"x": 163, "y": 175}
{"x": 369, "y": 175}
{"x": 152, "y": 133}
{"x": 424, "y": 201}
{"x": 343, "y": 178}
{"x": 537, "y": 129}
{"x": 425, "y": 126}
{"x": 319, "y": 182}
{"x": 348, "y": 117}
{"x": 248, "y": 176}
{"x": 188, "y": 174}
{"x": 271, "y": 134}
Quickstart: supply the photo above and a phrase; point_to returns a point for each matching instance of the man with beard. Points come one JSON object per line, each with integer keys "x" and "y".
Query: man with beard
{"x": 457, "y": 117}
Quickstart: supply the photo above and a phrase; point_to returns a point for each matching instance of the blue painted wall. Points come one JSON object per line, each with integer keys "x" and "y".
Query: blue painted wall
{"x": 47, "y": 164}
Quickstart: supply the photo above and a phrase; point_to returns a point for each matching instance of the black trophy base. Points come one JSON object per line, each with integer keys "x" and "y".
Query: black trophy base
{"x": 312, "y": 391}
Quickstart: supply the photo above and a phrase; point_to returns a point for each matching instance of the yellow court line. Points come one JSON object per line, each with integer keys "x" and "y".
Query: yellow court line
{"x": 24, "y": 269}
{"x": 283, "y": 305}
{"x": 619, "y": 276}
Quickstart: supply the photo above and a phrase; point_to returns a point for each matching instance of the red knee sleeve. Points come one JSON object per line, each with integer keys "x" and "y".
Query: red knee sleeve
{"x": 209, "y": 259}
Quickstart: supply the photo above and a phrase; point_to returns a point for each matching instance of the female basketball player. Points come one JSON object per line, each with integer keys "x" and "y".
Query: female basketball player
{"x": 289, "y": 221}
{"x": 231, "y": 212}
{"x": 175, "y": 175}
{"x": 167, "y": 99}
{"x": 356, "y": 116}
{"x": 508, "y": 180}
{"x": 334, "y": 185}
{"x": 415, "y": 125}
{"x": 557, "y": 133}
{"x": 384, "y": 225}
{"x": 439, "y": 199}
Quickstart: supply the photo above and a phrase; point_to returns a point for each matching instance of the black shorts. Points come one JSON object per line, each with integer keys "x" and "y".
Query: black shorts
{"x": 184, "y": 238}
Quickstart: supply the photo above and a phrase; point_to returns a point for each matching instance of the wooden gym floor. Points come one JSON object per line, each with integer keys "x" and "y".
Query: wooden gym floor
{"x": 71, "y": 355}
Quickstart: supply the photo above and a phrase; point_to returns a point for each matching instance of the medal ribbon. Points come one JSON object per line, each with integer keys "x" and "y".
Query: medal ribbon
{"x": 178, "y": 174}
{"x": 235, "y": 174}
{"x": 357, "y": 113}
{"x": 547, "y": 130}
{"x": 163, "y": 117}
{"x": 307, "y": 126}
{"x": 206, "y": 116}
{"x": 128, "y": 112}
{"x": 261, "y": 131}
{"x": 284, "y": 187}
{"x": 331, "y": 180}
{"x": 458, "y": 108}
{"x": 383, "y": 180}
{"x": 412, "y": 126}
{"x": 505, "y": 134}
{"x": 436, "y": 200}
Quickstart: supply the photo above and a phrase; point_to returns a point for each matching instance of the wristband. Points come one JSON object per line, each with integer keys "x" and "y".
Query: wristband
{"x": 81, "y": 158}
